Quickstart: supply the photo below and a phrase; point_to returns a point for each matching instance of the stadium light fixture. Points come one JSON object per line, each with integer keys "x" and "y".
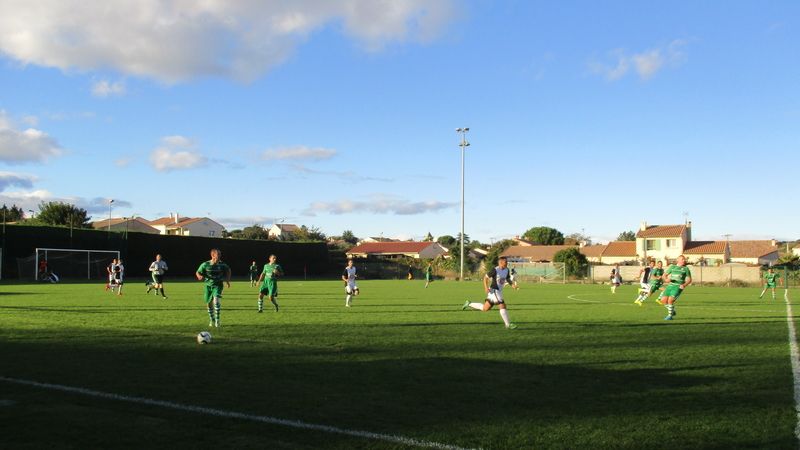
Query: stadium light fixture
{"x": 463, "y": 144}
{"x": 109, "y": 216}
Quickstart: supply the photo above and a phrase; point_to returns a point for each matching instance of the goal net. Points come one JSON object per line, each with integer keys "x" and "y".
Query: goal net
{"x": 67, "y": 263}
{"x": 551, "y": 272}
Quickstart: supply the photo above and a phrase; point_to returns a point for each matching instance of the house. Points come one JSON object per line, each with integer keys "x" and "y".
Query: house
{"x": 281, "y": 232}
{"x": 125, "y": 224}
{"x": 593, "y": 253}
{"x": 533, "y": 253}
{"x": 620, "y": 251}
{"x": 706, "y": 253}
{"x": 389, "y": 250}
{"x": 754, "y": 252}
{"x": 185, "y": 226}
{"x": 663, "y": 242}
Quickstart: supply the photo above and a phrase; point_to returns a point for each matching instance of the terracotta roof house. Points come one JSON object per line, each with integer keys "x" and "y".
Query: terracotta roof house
{"x": 281, "y": 232}
{"x": 125, "y": 224}
{"x": 664, "y": 242}
{"x": 708, "y": 253}
{"x": 187, "y": 226}
{"x": 754, "y": 252}
{"x": 397, "y": 250}
{"x": 594, "y": 253}
{"x": 619, "y": 251}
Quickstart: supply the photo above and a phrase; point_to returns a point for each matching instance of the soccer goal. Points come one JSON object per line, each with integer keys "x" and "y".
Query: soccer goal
{"x": 67, "y": 263}
{"x": 552, "y": 272}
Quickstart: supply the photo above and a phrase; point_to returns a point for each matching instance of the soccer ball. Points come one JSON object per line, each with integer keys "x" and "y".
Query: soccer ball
{"x": 204, "y": 337}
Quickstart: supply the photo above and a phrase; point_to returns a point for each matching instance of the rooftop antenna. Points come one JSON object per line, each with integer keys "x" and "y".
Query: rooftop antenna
{"x": 686, "y": 217}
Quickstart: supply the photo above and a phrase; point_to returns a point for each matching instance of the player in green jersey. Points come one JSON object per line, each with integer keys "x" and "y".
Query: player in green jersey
{"x": 253, "y": 274}
{"x": 770, "y": 282}
{"x": 677, "y": 278}
{"x": 269, "y": 282}
{"x": 216, "y": 274}
{"x": 656, "y": 280}
{"x": 428, "y": 274}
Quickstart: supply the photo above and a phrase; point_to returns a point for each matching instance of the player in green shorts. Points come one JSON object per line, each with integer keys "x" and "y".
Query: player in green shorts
{"x": 216, "y": 274}
{"x": 770, "y": 282}
{"x": 656, "y": 280}
{"x": 428, "y": 274}
{"x": 269, "y": 283}
{"x": 677, "y": 278}
{"x": 253, "y": 274}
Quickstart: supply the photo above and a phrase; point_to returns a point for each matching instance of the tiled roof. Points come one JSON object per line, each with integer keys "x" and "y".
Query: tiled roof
{"x": 661, "y": 231}
{"x": 620, "y": 248}
{"x": 288, "y": 228}
{"x": 751, "y": 249}
{"x": 166, "y": 221}
{"x": 593, "y": 251}
{"x": 535, "y": 252}
{"x": 391, "y": 247}
{"x": 696, "y": 247}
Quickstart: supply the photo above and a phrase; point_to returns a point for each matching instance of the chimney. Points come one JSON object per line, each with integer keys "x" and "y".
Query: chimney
{"x": 643, "y": 226}
{"x": 176, "y": 218}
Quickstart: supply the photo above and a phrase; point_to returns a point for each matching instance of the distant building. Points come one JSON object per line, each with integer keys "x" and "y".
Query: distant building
{"x": 281, "y": 232}
{"x": 390, "y": 250}
{"x": 186, "y": 226}
{"x": 125, "y": 224}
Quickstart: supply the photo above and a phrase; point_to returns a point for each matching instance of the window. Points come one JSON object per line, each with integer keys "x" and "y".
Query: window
{"x": 651, "y": 244}
{"x": 672, "y": 243}
{"x": 211, "y": 233}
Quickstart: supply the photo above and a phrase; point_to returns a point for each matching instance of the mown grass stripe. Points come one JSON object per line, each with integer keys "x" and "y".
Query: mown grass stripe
{"x": 235, "y": 415}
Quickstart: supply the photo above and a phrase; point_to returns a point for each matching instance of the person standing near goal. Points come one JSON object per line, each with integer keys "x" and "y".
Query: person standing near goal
{"x": 677, "y": 278}
{"x": 157, "y": 270}
{"x": 110, "y": 268}
{"x": 770, "y": 282}
{"x": 217, "y": 276}
{"x": 428, "y": 274}
{"x": 269, "y": 285}
{"x": 119, "y": 272}
{"x": 349, "y": 277}
{"x": 499, "y": 277}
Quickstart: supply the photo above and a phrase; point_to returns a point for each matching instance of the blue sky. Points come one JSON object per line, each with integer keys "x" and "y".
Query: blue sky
{"x": 341, "y": 114}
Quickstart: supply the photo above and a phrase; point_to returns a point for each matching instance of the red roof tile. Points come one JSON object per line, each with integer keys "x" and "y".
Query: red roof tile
{"x": 696, "y": 247}
{"x": 620, "y": 248}
{"x": 662, "y": 231}
{"x": 751, "y": 249}
{"x": 391, "y": 247}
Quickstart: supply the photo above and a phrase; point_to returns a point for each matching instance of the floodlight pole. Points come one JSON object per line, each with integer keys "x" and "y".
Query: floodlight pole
{"x": 109, "y": 217}
{"x": 463, "y": 144}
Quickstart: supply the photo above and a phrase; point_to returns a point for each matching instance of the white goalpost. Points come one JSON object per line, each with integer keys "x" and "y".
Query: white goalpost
{"x": 68, "y": 263}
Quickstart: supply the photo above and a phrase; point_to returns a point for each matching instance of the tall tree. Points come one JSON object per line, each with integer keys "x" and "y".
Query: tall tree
{"x": 349, "y": 237}
{"x": 13, "y": 214}
{"x": 255, "y": 232}
{"x": 627, "y": 236}
{"x": 64, "y": 214}
{"x": 446, "y": 240}
{"x": 490, "y": 262}
{"x": 545, "y": 236}
{"x": 574, "y": 260}
{"x": 305, "y": 234}
{"x": 576, "y": 239}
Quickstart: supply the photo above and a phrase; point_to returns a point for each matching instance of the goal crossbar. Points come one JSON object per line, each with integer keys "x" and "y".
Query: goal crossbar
{"x": 45, "y": 252}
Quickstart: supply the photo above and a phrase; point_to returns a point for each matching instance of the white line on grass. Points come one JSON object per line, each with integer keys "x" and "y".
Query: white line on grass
{"x": 795, "y": 355}
{"x": 235, "y": 415}
{"x": 573, "y": 297}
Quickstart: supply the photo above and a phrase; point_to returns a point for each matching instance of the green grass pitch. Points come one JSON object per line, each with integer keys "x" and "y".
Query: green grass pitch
{"x": 585, "y": 369}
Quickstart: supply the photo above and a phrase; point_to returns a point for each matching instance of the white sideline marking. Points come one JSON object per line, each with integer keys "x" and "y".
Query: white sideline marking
{"x": 573, "y": 297}
{"x": 795, "y": 355}
{"x": 235, "y": 415}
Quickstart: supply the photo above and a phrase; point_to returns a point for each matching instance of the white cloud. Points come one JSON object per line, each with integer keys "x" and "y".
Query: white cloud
{"x": 176, "y": 153}
{"x": 379, "y": 205}
{"x": 178, "y": 40}
{"x": 646, "y": 64}
{"x": 297, "y": 152}
{"x": 122, "y": 162}
{"x": 19, "y": 146}
{"x": 104, "y": 88}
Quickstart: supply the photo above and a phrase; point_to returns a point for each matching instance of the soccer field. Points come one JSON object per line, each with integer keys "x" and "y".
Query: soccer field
{"x": 403, "y": 368}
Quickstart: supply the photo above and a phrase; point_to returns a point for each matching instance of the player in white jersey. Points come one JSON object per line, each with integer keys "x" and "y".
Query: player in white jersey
{"x": 119, "y": 271}
{"x": 500, "y": 277}
{"x": 349, "y": 277}
{"x": 110, "y": 269}
{"x": 644, "y": 281}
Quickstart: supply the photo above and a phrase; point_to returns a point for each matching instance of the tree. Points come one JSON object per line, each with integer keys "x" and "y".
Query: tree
{"x": 349, "y": 237}
{"x": 13, "y": 214}
{"x": 789, "y": 259}
{"x": 573, "y": 260}
{"x": 545, "y": 236}
{"x": 627, "y": 236}
{"x": 577, "y": 238}
{"x": 446, "y": 240}
{"x": 255, "y": 232}
{"x": 490, "y": 262}
{"x": 305, "y": 234}
{"x": 63, "y": 214}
